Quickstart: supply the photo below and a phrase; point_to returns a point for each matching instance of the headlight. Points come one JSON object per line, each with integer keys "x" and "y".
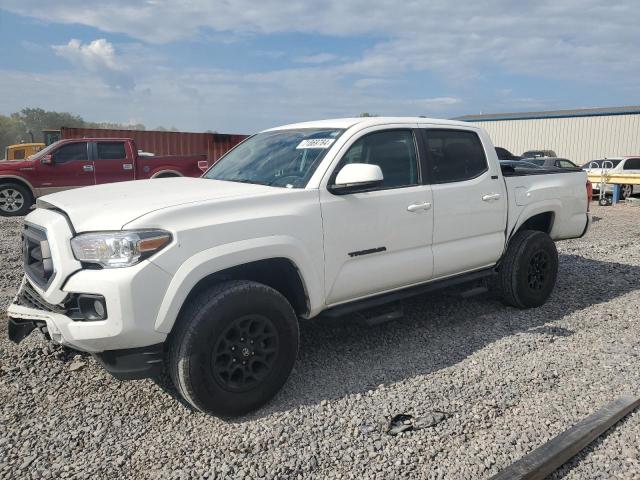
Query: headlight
{"x": 118, "y": 249}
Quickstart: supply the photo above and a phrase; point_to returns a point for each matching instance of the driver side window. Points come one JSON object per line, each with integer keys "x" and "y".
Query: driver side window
{"x": 393, "y": 151}
{"x": 70, "y": 152}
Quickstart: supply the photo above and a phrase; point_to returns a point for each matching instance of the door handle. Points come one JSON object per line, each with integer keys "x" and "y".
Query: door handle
{"x": 88, "y": 168}
{"x": 416, "y": 207}
{"x": 127, "y": 166}
{"x": 490, "y": 197}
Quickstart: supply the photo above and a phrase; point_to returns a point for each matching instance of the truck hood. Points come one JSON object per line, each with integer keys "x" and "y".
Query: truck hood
{"x": 15, "y": 165}
{"x": 111, "y": 206}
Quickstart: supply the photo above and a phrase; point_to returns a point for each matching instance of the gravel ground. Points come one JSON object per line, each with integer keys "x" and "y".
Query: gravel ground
{"x": 485, "y": 384}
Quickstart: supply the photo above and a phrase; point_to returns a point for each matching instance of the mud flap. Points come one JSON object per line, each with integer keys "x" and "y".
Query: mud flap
{"x": 19, "y": 330}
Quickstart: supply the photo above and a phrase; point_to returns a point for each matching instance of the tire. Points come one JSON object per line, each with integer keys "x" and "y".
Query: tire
{"x": 242, "y": 320}
{"x": 15, "y": 200}
{"x": 529, "y": 269}
{"x": 626, "y": 191}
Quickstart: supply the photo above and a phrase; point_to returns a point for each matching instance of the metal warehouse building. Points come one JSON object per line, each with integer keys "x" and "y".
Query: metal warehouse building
{"x": 579, "y": 135}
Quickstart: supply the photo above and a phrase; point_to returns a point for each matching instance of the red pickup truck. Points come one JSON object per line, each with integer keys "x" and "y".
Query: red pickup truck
{"x": 81, "y": 162}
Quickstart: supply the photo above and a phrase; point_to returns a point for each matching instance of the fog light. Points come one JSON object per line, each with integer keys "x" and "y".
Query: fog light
{"x": 92, "y": 307}
{"x": 98, "y": 307}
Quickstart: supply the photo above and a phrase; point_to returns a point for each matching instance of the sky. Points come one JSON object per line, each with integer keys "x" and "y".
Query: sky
{"x": 239, "y": 66}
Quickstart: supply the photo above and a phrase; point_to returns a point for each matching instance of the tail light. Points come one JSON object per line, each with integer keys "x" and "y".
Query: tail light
{"x": 589, "y": 194}
{"x": 203, "y": 165}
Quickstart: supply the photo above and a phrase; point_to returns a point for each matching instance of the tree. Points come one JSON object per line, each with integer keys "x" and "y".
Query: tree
{"x": 38, "y": 119}
{"x": 11, "y": 131}
{"x": 16, "y": 127}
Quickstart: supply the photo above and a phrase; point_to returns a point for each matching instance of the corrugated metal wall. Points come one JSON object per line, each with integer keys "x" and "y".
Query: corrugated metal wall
{"x": 214, "y": 145}
{"x": 577, "y": 138}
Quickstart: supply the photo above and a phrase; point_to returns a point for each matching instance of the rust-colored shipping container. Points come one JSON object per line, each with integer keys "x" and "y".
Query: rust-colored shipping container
{"x": 214, "y": 145}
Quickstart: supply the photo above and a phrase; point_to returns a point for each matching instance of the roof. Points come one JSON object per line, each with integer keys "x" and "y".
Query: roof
{"x": 367, "y": 122}
{"x": 585, "y": 112}
{"x": 31, "y": 144}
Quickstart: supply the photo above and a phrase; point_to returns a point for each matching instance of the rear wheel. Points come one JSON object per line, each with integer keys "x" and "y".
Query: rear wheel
{"x": 233, "y": 348}
{"x": 15, "y": 200}
{"x": 626, "y": 191}
{"x": 529, "y": 269}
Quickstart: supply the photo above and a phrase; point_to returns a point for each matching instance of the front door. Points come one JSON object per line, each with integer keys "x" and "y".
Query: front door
{"x": 469, "y": 202}
{"x": 112, "y": 162}
{"x": 378, "y": 240}
{"x": 71, "y": 167}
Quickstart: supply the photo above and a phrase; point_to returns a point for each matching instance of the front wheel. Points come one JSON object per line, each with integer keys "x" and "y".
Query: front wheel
{"x": 15, "y": 200}
{"x": 233, "y": 348}
{"x": 529, "y": 269}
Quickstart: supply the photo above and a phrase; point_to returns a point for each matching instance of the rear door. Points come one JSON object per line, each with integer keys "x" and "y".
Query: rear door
{"x": 113, "y": 161}
{"x": 469, "y": 201}
{"x": 71, "y": 167}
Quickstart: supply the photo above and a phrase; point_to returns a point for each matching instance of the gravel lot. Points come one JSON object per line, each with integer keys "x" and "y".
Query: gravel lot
{"x": 505, "y": 381}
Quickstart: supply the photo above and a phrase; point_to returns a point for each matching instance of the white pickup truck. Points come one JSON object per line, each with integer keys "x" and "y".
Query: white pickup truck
{"x": 209, "y": 276}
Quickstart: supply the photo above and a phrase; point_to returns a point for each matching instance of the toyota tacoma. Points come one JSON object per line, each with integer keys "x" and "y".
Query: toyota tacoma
{"x": 208, "y": 277}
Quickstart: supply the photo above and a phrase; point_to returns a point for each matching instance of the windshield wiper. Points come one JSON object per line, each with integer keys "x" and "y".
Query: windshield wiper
{"x": 243, "y": 180}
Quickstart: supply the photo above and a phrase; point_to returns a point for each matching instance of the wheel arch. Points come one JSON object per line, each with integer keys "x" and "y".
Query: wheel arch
{"x": 542, "y": 216}
{"x": 282, "y": 266}
{"x": 542, "y": 222}
{"x": 166, "y": 173}
{"x": 279, "y": 273}
{"x": 4, "y": 179}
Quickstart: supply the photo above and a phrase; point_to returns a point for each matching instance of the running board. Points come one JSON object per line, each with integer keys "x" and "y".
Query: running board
{"x": 378, "y": 300}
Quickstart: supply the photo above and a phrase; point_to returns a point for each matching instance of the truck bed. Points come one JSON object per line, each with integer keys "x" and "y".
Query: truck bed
{"x": 560, "y": 191}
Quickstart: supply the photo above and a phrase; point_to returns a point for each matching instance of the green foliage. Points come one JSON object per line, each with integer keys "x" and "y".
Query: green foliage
{"x": 11, "y": 131}
{"x": 38, "y": 119}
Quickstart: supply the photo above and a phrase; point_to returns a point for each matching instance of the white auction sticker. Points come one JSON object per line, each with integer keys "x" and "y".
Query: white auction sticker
{"x": 316, "y": 143}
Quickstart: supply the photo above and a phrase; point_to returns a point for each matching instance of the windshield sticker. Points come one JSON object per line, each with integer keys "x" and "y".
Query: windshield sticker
{"x": 316, "y": 143}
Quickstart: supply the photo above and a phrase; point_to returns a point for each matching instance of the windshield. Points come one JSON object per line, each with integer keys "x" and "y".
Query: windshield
{"x": 281, "y": 158}
{"x": 599, "y": 163}
{"x": 45, "y": 150}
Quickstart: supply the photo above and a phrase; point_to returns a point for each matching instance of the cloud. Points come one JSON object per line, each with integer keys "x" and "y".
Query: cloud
{"x": 437, "y": 56}
{"x": 317, "y": 59}
{"x": 99, "y": 57}
{"x": 94, "y": 56}
{"x": 460, "y": 41}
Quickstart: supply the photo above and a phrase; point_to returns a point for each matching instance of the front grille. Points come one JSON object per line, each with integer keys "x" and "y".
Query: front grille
{"x": 38, "y": 263}
{"x": 28, "y": 297}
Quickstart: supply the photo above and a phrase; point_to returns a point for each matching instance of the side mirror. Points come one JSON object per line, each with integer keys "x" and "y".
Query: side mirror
{"x": 357, "y": 177}
{"x": 47, "y": 160}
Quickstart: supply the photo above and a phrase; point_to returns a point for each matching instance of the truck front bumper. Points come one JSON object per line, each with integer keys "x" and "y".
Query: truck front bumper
{"x": 57, "y": 291}
{"x": 126, "y": 342}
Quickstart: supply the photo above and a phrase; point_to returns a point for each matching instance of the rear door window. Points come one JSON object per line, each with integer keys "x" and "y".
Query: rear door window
{"x": 565, "y": 164}
{"x": 454, "y": 155}
{"x": 632, "y": 164}
{"x": 71, "y": 152}
{"x": 111, "y": 151}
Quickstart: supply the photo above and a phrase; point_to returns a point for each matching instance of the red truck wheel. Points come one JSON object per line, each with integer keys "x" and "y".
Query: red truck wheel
{"x": 15, "y": 200}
